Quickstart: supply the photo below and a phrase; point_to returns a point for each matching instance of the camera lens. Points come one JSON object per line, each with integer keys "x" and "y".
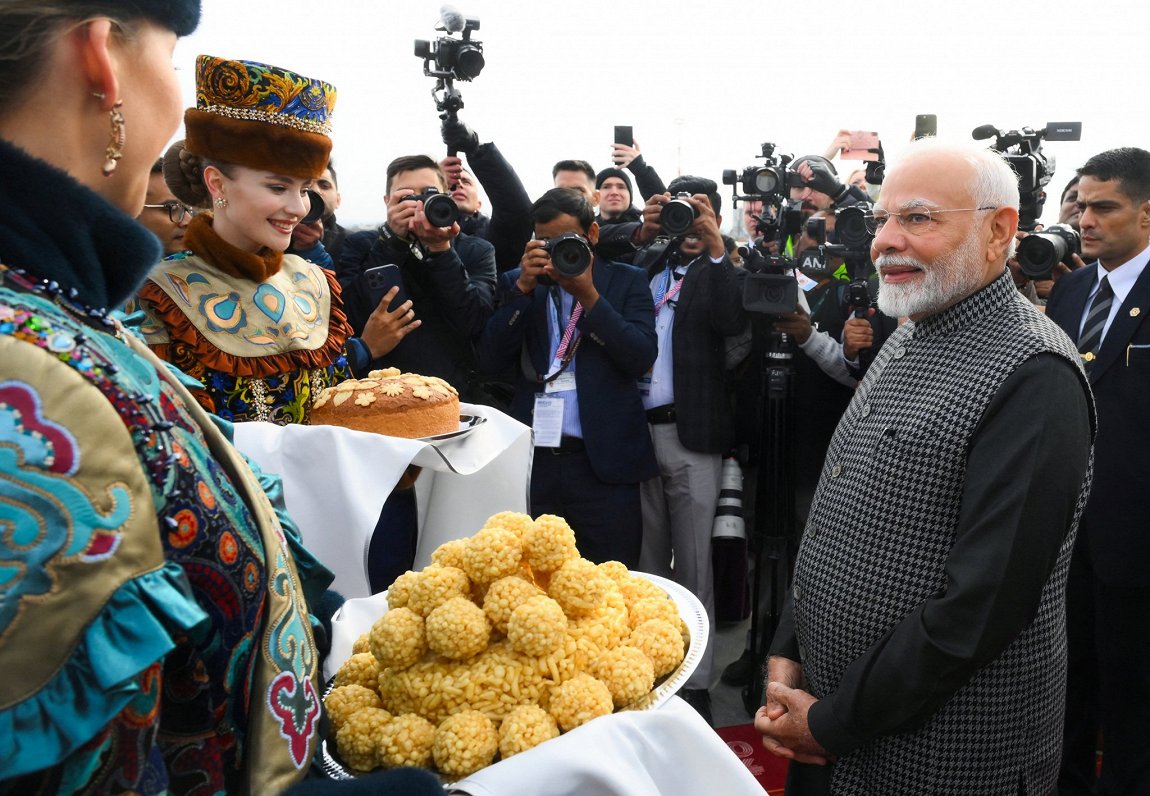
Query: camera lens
{"x": 766, "y": 181}
{"x": 441, "y": 210}
{"x": 317, "y": 208}
{"x": 677, "y": 217}
{"x": 850, "y": 227}
{"x": 1039, "y": 252}
{"x": 570, "y": 254}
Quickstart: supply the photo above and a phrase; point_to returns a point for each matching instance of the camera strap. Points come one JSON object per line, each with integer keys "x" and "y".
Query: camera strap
{"x": 668, "y": 291}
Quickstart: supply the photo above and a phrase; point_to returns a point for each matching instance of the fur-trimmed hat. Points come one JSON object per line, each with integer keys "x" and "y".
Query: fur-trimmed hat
{"x": 179, "y": 16}
{"x": 260, "y": 116}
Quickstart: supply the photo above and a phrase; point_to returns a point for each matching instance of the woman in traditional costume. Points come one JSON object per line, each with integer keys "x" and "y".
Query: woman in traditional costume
{"x": 263, "y": 331}
{"x": 154, "y": 634}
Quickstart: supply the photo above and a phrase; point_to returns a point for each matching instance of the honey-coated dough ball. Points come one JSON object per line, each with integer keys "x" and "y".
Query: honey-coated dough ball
{"x": 405, "y": 741}
{"x": 537, "y": 627}
{"x": 458, "y": 629}
{"x": 525, "y": 727}
{"x": 465, "y": 743}
{"x": 398, "y": 638}
{"x": 579, "y": 700}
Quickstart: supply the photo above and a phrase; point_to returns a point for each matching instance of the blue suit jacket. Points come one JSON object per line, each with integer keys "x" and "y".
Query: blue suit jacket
{"x": 1116, "y": 524}
{"x": 619, "y": 345}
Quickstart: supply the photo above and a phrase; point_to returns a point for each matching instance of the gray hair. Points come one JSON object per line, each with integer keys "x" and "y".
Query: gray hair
{"x": 994, "y": 185}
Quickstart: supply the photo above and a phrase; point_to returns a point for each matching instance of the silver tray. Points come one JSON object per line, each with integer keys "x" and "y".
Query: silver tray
{"x": 697, "y": 627}
{"x": 466, "y": 424}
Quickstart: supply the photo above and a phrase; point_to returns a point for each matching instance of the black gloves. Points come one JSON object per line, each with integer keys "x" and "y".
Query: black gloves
{"x": 458, "y": 136}
{"x": 823, "y": 180}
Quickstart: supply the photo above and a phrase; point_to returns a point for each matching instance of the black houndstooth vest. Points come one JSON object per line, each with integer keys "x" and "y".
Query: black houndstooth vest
{"x": 878, "y": 535}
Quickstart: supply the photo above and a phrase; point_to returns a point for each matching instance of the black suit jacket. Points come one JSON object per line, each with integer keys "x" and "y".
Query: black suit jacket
{"x": 1115, "y": 526}
{"x": 709, "y": 308}
{"x": 452, "y": 294}
{"x": 618, "y": 346}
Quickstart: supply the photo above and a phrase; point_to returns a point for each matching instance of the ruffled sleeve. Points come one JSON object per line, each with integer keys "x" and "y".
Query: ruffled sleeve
{"x": 136, "y": 628}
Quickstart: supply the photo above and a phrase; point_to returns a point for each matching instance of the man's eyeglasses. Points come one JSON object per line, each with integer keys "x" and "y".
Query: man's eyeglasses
{"x": 176, "y": 211}
{"x": 916, "y": 221}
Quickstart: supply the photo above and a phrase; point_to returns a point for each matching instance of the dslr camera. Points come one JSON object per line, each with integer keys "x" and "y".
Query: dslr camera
{"x": 439, "y": 207}
{"x": 448, "y": 58}
{"x": 678, "y": 215}
{"x": 1022, "y": 149}
{"x": 570, "y": 255}
{"x": 1039, "y": 252}
{"x": 768, "y": 182}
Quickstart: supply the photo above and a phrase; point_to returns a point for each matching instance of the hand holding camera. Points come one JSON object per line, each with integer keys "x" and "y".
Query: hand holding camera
{"x": 430, "y": 216}
{"x": 858, "y": 335}
{"x": 818, "y": 177}
{"x": 797, "y": 324}
{"x": 458, "y": 136}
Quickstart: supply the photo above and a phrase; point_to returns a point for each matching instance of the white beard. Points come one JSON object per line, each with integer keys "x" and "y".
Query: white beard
{"x": 949, "y": 279}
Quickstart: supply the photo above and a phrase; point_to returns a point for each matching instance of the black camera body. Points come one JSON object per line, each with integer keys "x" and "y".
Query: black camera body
{"x": 678, "y": 215}
{"x": 1039, "y": 252}
{"x": 570, "y": 255}
{"x": 770, "y": 294}
{"x": 769, "y": 182}
{"x": 439, "y": 208}
{"x": 448, "y": 58}
{"x": 317, "y": 210}
{"x": 1022, "y": 149}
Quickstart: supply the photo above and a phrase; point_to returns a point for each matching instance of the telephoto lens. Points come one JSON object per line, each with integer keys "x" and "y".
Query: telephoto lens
{"x": 570, "y": 253}
{"x": 850, "y": 227}
{"x": 678, "y": 215}
{"x": 440, "y": 208}
{"x": 1039, "y": 252}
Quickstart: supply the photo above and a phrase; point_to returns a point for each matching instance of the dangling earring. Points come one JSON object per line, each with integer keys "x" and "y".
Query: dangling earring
{"x": 115, "y": 148}
{"x": 221, "y": 202}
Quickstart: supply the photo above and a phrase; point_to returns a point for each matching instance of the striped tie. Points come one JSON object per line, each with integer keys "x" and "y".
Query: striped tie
{"x": 1091, "y": 336}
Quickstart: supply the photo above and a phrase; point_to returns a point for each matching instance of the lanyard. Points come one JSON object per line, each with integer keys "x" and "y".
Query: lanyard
{"x": 566, "y": 350}
{"x": 665, "y": 294}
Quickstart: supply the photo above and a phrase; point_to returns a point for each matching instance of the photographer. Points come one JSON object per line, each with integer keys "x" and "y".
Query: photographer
{"x": 698, "y": 303}
{"x": 630, "y": 158}
{"x": 508, "y": 228}
{"x": 448, "y": 277}
{"x": 616, "y": 199}
{"x": 579, "y": 337}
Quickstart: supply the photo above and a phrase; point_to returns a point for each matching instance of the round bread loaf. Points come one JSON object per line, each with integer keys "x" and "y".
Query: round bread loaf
{"x": 392, "y": 403}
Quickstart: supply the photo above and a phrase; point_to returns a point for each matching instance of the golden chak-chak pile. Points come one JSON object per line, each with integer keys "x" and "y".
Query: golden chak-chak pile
{"x": 389, "y": 402}
{"x": 506, "y": 639}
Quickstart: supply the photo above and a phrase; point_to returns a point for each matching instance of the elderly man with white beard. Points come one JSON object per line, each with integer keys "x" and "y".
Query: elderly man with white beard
{"x": 922, "y": 649}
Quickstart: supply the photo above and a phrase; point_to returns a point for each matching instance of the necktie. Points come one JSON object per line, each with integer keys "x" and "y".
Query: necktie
{"x": 1091, "y": 336}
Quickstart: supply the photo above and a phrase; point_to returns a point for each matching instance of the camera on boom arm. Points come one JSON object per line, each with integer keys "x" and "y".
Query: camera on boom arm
{"x": 448, "y": 59}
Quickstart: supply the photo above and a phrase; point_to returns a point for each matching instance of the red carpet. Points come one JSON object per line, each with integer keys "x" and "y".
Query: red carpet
{"x": 745, "y": 742}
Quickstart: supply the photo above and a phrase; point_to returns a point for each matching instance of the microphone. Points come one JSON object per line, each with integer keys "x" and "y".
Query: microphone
{"x": 985, "y": 131}
{"x": 451, "y": 19}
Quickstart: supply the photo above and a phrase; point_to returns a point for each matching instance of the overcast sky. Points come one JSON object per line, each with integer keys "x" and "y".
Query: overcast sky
{"x": 702, "y": 83}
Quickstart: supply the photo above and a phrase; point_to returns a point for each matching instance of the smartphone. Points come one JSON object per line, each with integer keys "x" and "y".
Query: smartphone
{"x": 925, "y": 124}
{"x": 381, "y": 279}
{"x": 624, "y": 135}
{"x": 861, "y": 142}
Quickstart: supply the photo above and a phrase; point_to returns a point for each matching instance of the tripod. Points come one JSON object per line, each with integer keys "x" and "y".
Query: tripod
{"x": 774, "y": 498}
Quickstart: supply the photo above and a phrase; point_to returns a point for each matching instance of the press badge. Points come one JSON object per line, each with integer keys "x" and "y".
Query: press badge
{"x": 805, "y": 282}
{"x": 564, "y": 382}
{"x": 547, "y": 422}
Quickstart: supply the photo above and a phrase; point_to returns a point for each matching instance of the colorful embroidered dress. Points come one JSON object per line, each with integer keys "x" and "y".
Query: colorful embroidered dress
{"x": 262, "y": 333}
{"x": 153, "y": 631}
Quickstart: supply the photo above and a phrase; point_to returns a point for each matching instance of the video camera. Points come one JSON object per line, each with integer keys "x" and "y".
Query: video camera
{"x": 1022, "y": 149}
{"x": 770, "y": 287}
{"x": 449, "y": 59}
